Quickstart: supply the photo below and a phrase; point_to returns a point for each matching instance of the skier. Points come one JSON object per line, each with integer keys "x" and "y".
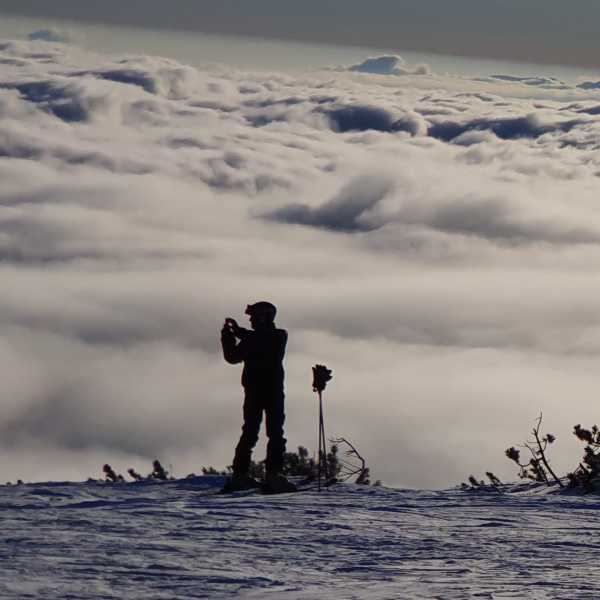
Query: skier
{"x": 262, "y": 351}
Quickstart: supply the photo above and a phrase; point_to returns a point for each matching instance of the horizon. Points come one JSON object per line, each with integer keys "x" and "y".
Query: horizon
{"x": 204, "y": 50}
{"x": 537, "y": 32}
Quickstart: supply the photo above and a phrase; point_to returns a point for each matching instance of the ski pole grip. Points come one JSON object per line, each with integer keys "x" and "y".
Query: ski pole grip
{"x": 321, "y": 375}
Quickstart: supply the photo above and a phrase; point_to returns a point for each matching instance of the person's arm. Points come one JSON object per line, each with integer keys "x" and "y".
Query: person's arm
{"x": 233, "y": 352}
{"x": 241, "y": 332}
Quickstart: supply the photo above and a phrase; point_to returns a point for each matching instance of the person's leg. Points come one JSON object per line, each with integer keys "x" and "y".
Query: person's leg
{"x": 252, "y": 419}
{"x": 275, "y": 417}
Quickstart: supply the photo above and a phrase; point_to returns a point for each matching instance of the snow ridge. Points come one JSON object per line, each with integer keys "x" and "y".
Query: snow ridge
{"x": 181, "y": 539}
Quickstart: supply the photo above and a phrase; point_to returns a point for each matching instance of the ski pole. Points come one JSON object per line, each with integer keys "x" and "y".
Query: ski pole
{"x": 321, "y": 375}
{"x": 320, "y": 445}
{"x": 322, "y": 449}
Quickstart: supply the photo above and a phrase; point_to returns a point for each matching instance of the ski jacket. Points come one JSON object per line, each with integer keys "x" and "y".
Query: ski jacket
{"x": 262, "y": 352}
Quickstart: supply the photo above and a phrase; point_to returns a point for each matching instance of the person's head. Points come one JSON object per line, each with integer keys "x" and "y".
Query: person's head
{"x": 262, "y": 314}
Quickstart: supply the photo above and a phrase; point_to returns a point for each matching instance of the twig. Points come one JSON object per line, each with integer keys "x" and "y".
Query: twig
{"x": 542, "y": 455}
{"x": 362, "y": 471}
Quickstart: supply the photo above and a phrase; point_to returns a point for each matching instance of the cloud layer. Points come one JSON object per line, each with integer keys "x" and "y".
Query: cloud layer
{"x": 430, "y": 238}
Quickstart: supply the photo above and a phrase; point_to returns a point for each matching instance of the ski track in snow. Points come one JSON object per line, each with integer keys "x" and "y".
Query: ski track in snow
{"x": 182, "y": 540}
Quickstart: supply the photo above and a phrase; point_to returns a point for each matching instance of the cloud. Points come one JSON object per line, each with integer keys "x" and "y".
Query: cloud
{"x": 358, "y": 208}
{"x": 17, "y": 53}
{"x": 347, "y": 211}
{"x": 548, "y": 83}
{"x": 161, "y": 77}
{"x": 528, "y": 126}
{"x": 434, "y": 243}
{"x": 64, "y": 99}
{"x": 365, "y": 118}
{"x": 49, "y": 35}
{"x": 589, "y": 85}
{"x": 388, "y": 64}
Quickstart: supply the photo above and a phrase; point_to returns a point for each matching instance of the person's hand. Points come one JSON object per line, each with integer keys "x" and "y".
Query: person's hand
{"x": 227, "y": 328}
{"x": 233, "y": 326}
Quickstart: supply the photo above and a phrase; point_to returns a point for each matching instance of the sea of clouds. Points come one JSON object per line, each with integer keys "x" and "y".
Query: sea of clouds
{"x": 432, "y": 239}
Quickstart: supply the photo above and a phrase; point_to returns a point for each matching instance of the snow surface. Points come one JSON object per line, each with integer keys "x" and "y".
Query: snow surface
{"x": 181, "y": 539}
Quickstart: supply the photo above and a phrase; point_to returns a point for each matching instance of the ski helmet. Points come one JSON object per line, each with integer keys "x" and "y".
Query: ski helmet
{"x": 265, "y": 309}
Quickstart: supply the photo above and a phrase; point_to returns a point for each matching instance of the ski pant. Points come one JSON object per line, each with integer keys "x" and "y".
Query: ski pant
{"x": 255, "y": 403}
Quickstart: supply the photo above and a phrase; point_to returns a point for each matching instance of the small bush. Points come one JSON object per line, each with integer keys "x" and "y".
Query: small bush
{"x": 588, "y": 471}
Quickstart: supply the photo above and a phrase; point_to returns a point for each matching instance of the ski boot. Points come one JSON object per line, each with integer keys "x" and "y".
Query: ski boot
{"x": 239, "y": 482}
{"x": 276, "y": 483}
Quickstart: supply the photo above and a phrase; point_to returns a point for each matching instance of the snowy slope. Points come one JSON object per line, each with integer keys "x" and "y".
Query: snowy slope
{"x": 181, "y": 539}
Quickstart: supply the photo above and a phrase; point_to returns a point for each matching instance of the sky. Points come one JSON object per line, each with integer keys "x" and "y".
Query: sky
{"x": 432, "y": 237}
{"x": 543, "y": 31}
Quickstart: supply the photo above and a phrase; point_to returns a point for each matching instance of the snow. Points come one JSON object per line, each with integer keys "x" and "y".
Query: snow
{"x": 181, "y": 540}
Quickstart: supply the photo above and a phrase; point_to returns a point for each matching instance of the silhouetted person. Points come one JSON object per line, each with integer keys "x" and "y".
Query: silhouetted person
{"x": 262, "y": 351}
